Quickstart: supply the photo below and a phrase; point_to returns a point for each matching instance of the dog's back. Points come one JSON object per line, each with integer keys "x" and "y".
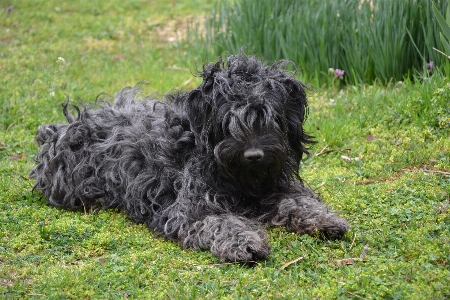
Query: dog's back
{"x": 125, "y": 155}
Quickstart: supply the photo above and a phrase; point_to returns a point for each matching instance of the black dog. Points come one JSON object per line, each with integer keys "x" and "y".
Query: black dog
{"x": 207, "y": 167}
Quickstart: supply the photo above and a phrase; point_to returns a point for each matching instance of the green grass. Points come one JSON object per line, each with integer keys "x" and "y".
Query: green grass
{"x": 392, "y": 185}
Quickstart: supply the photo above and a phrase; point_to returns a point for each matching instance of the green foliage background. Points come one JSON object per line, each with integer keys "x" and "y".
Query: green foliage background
{"x": 376, "y": 40}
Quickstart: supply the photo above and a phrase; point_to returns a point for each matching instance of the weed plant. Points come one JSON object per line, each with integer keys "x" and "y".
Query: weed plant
{"x": 377, "y": 40}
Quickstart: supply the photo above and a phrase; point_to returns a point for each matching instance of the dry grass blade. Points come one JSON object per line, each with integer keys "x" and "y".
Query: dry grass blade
{"x": 324, "y": 151}
{"x": 291, "y": 262}
{"x": 428, "y": 171}
{"x": 352, "y": 260}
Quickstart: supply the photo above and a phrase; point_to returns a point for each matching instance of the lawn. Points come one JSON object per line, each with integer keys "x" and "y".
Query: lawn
{"x": 382, "y": 159}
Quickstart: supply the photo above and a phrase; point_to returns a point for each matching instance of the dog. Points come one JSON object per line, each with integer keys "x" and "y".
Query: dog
{"x": 208, "y": 168}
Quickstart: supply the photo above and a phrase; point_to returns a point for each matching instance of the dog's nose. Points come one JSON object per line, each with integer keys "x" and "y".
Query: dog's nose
{"x": 253, "y": 155}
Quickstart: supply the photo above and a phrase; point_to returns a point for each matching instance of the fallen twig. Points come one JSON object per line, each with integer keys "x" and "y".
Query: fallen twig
{"x": 352, "y": 260}
{"x": 395, "y": 177}
{"x": 322, "y": 151}
{"x": 291, "y": 262}
{"x": 427, "y": 171}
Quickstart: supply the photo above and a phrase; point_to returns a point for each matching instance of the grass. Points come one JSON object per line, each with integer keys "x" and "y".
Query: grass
{"x": 377, "y": 40}
{"x": 382, "y": 159}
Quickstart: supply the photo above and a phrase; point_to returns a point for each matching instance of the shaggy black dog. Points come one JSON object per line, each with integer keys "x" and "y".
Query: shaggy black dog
{"x": 206, "y": 168}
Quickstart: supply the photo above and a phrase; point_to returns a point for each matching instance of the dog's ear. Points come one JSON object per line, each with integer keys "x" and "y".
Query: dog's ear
{"x": 198, "y": 110}
{"x": 199, "y": 101}
{"x": 296, "y": 112}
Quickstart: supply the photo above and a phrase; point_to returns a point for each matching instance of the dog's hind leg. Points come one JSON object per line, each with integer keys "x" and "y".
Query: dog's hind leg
{"x": 302, "y": 211}
{"x": 65, "y": 172}
{"x": 230, "y": 237}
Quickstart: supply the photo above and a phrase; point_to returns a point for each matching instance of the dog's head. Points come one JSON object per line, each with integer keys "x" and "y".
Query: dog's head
{"x": 249, "y": 117}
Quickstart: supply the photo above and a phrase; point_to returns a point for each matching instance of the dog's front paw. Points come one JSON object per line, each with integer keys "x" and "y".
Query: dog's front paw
{"x": 246, "y": 246}
{"x": 329, "y": 226}
{"x": 334, "y": 227}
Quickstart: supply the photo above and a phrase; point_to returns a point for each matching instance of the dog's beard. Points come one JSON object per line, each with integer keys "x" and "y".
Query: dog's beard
{"x": 252, "y": 177}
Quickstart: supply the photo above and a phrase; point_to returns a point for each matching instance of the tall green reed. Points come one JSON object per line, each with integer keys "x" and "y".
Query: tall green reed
{"x": 372, "y": 40}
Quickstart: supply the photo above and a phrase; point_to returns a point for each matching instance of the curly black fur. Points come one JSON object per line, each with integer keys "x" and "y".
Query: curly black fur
{"x": 206, "y": 167}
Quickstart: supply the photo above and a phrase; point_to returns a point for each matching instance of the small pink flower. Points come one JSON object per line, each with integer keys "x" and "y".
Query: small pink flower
{"x": 338, "y": 73}
{"x": 9, "y": 8}
{"x": 430, "y": 65}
